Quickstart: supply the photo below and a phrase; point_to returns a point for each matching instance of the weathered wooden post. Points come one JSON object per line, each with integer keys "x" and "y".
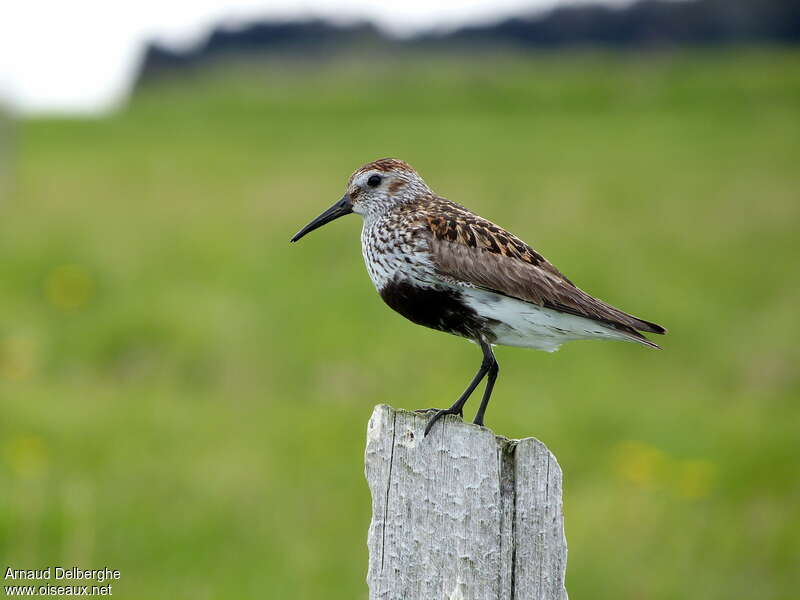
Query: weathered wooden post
{"x": 461, "y": 514}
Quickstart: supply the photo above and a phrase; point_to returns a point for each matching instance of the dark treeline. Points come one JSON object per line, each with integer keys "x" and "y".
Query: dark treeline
{"x": 647, "y": 23}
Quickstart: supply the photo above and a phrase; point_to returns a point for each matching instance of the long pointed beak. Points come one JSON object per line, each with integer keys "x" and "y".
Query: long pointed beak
{"x": 341, "y": 208}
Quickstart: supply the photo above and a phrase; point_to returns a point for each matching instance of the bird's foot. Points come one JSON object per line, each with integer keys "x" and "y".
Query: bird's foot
{"x": 439, "y": 414}
{"x": 460, "y": 413}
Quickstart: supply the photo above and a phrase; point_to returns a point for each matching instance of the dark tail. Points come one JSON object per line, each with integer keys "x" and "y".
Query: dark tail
{"x": 648, "y": 326}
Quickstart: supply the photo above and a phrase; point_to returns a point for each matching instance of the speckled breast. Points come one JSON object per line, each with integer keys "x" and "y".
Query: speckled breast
{"x": 394, "y": 252}
{"x": 399, "y": 263}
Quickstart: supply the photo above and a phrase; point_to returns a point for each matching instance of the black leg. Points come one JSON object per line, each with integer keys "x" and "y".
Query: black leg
{"x": 458, "y": 406}
{"x": 487, "y": 393}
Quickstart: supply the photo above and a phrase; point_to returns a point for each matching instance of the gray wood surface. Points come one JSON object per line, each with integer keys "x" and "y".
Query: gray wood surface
{"x": 461, "y": 514}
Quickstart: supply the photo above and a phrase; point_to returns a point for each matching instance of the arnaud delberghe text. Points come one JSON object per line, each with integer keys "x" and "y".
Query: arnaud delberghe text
{"x": 59, "y": 573}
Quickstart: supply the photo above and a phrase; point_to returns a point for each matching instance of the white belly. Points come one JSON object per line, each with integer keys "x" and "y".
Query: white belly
{"x": 530, "y": 326}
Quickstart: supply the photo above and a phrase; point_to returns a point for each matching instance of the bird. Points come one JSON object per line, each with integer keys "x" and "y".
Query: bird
{"x": 446, "y": 268}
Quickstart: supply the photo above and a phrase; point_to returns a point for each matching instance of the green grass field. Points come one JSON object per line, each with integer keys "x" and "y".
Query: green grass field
{"x": 185, "y": 395}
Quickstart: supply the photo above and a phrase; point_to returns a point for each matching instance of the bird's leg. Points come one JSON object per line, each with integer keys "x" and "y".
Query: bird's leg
{"x": 491, "y": 377}
{"x": 458, "y": 406}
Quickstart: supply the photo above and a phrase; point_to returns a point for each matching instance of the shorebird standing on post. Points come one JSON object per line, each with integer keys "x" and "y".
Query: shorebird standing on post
{"x": 444, "y": 267}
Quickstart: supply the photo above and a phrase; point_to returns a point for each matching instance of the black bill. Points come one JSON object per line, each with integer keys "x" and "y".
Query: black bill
{"x": 341, "y": 208}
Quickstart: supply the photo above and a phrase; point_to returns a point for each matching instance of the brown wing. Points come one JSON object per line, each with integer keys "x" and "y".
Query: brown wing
{"x": 471, "y": 249}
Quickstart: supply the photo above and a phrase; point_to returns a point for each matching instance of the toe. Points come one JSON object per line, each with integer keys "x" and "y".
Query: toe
{"x": 439, "y": 414}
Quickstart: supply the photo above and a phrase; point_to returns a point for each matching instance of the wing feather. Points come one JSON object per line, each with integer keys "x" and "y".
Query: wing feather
{"x": 470, "y": 249}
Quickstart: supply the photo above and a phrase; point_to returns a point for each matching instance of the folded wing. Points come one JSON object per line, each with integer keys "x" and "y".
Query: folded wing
{"x": 472, "y": 250}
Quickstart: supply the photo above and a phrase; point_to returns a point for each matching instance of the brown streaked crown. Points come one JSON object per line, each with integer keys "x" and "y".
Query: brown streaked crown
{"x": 385, "y": 165}
{"x": 388, "y": 164}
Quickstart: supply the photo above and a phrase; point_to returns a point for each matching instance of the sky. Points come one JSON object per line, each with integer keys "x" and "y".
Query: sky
{"x": 80, "y": 56}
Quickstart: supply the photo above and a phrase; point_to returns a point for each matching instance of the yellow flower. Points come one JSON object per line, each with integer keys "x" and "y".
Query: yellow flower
{"x": 69, "y": 287}
{"x": 26, "y": 455}
{"x": 17, "y": 357}
{"x": 640, "y": 464}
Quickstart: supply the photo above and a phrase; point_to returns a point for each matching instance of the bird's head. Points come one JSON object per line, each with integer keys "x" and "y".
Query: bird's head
{"x": 373, "y": 190}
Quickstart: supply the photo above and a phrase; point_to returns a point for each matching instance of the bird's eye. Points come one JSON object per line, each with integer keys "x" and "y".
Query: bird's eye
{"x": 374, "y": 181}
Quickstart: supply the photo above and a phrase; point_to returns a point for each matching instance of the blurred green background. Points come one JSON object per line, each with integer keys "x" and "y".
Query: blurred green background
{"x": 185, "y": 395}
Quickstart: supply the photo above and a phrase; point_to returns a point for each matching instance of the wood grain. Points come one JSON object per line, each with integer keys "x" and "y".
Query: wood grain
{"x": 461, "y": 514}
